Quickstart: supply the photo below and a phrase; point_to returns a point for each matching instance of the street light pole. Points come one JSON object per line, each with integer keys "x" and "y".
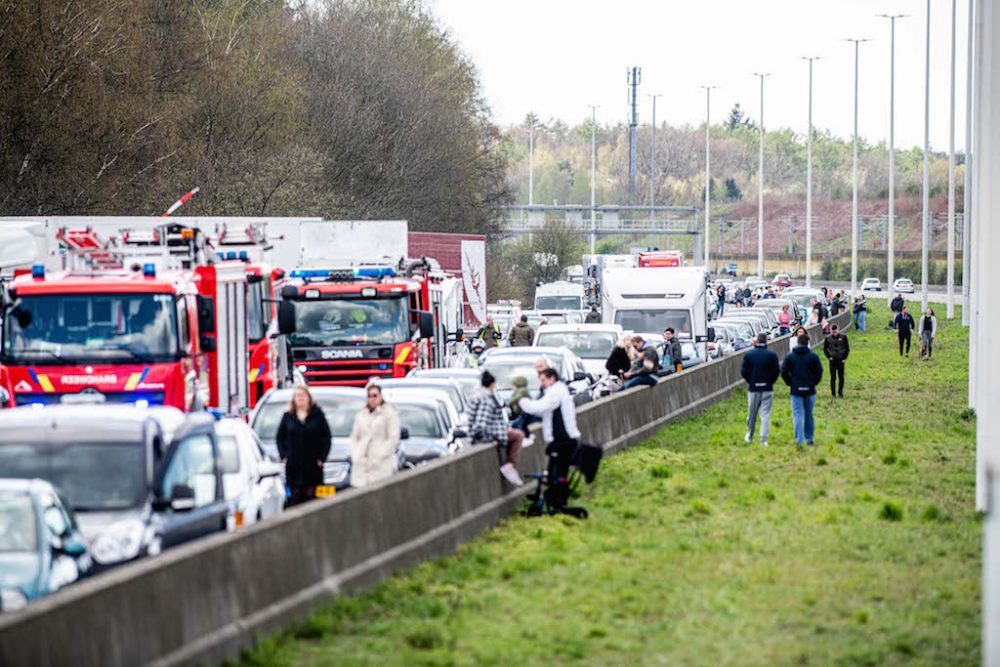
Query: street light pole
{"x": 809, "y": 176}
{"x": 924, "y": 252}
{"x": 652, "y": 174}
{"x": 708, "y": 169}
{"x": 950, "y": 305}
{"x": 531, "y": 162}
{"x": 760, "y": 182}
{"x": 854, "y": 177}
{"x": 967, "y": 188}
{"x": 892, "y": 146}
{"x": 593, "y": 176}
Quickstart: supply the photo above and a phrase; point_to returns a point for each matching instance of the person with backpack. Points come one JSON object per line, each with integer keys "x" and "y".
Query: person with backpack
{"x": 836, "y": 349}
{"x": 802, "y": 371}
{"x": 521, "y": 334}
{"x": 760, "y": 369}
{"x": 904, "y": 329}
{"x": 861, "y": 313}
{"x": 928, "y": 332}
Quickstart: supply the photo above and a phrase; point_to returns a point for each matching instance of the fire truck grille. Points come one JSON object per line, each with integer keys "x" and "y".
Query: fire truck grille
{"x": 352, "y": 372}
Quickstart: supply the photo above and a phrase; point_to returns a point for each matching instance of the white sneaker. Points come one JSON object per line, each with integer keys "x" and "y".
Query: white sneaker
{"x": 509, "y": 473}
{"x": 747, "y": 438}
{"x": 763, "y": 443}
{"x": 529, "y": 441}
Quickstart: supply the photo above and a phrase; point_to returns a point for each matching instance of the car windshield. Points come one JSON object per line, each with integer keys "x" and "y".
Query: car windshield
{"x": 558, "y": 303}
{"x": 346, "y": 321}
{"x": 422, "y": 421}
{"x": 93, "y": 476}
{"x": 469, "y": 384}
{"x": 339, "y": 414}
{"x": 506, "y": 372}
{"x": 585, "y": 344}
{"x": 800, "y": 300}
{"x": 454, "y": 393}
{"x": 18, "y": 523}
{"x": 650, "y": 320}
{"x": 80, "y": 328}
{"x": 552, "y": 318}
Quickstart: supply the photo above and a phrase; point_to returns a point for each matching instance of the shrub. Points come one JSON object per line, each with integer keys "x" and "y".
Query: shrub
{"x": 891, "y": 511}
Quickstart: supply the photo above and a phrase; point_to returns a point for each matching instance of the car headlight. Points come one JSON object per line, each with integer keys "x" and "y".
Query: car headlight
{"x": 4, "y": 397}
{"x": 12, "y": 599}
{"x": 120, "y": 542}
{"x": 335, "y": 472}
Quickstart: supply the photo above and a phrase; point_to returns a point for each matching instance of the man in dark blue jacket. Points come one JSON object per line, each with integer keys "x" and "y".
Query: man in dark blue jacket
{"x": 760, "y": 370}
{"x": 801, "y": 370}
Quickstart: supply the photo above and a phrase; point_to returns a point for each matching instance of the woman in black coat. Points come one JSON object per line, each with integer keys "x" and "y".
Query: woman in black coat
{"x": 619, "y": 361}
{"x": 303, "y": 442}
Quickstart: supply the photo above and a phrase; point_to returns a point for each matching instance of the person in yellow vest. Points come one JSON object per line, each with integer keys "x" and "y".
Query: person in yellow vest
{"x": 489, "y": 333}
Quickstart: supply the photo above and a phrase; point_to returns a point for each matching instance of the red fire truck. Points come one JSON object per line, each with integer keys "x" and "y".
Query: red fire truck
{"x": 657, "y": 258}
{"x": 143, "y": 319}
{"x": 344, "y": 326}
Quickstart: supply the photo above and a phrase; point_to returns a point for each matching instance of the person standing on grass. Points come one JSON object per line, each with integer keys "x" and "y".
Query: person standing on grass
{"x": 488, "y": 423}
{"x": 928, "y": 332}
{"x": 836, "y": 348}
{"x": 802, "y": 371}
{"x": 904, "y": 329}
{"x": 760, "y": 369}
{"x": 896, "y": 305}
{"x": 303, "y": 441}
{"x": 793, "y": 342}
{"x": 861, "y": 313}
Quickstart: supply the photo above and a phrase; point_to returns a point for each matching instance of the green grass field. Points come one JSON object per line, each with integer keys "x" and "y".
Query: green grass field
{"x": 702, "y": 550}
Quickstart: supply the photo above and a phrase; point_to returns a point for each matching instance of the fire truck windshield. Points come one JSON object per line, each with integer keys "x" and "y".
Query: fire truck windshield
{"x": 346, "y": 321}
{"x": 82, "y": 328}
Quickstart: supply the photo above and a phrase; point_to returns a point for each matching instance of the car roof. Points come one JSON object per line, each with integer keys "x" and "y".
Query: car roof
{"x": 317, "y": 392}
{"x": 88, "y": 423}
{"x": 442, "y": 383}
{"x": 12, "y": 485}
{"x": 444, "y": 372}
{"x": 579, "y": 328}
{"x": 230, "y": 426}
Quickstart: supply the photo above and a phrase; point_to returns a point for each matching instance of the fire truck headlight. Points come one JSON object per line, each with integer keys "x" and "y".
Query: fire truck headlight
{"x": 369, "y": 292}
{"x": 4, "y": 397}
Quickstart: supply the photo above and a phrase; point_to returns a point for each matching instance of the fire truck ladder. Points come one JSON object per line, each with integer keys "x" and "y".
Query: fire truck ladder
{"x": 86, "y": 246}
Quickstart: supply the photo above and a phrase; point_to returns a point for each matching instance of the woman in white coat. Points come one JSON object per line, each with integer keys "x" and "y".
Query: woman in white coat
{"x": 374, "y": 440}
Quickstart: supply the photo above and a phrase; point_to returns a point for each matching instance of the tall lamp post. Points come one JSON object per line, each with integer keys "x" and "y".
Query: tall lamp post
{"x": 967, "y": 188}
{"x": 708, "y": 169}
{"x": 760, "y": 181}
{"x": 854, "y": 177}
{"x": 950, "y": 305}
{"x": 593, "y": 176}
{"x": 652, "y": 174}
{"x": 809, "y": 176}
{"x": 891, "y": 272}
{"x": 924, "y": 249}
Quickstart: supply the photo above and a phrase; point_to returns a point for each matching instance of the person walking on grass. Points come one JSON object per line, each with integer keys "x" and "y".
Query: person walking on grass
{"x": 904, "y": 326}
{"x": 802, "y": 371}
{"x": 836, "y": 349}
{"x": 861, "y": 313}
{"x": 488, "y": 423}
{"x": 896, "y": 305}
{"x": 928, "y": 332}
{"x": 760, "y": 369}
{"x": 793, "y": 342}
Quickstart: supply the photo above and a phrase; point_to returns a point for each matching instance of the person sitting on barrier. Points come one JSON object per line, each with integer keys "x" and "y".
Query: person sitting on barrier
{"x": 520, "y": 420}
{"x": 488, "y": 423}
{"x": 559, "y": 430}
{"x": 374, "y": 440}
{"x": 303, "y": 441}
{"x": 645, "y": 364}
{"x": 620, "y": 359}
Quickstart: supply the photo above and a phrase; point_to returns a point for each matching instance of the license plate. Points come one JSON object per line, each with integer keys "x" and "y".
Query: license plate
{"x": 325, "y": 491}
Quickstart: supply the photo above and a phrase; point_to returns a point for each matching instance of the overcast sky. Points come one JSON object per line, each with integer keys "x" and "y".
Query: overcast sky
{"x": 556, "y": 57}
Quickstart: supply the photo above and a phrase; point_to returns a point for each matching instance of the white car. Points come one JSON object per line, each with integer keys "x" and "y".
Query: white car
{"x": 468, "y": 379}
{"x": 507, "y": 362}
{"x": 593, "y": 343}
{"x": 251, "y": 483}
{"x": 871, "y": 285}
{"x": 903, "y": 285}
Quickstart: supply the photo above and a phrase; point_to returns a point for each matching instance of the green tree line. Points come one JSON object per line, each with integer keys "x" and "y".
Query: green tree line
{"x": 337, "y": 108}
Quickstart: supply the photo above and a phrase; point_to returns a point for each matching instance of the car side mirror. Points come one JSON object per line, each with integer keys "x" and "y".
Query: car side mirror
{"x": 404, "y": 432}
{"x": 580, "y": 375}
{"x": 71, "y": 546}
{"x": 459, "y": 434}
{"x": 286, "y": 317}
{"x": 207, "y": 343}
{"x": 182, "y": 498}
{"x": 426, "y": 324}
{"x": 269, "y": 469}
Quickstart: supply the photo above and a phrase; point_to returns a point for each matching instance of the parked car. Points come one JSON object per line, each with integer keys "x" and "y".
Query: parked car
{"x": 782, "y": 280}
{"x": 903, "y": 285}
{"x": 425, "y": 434}
{"x": 251, "y": 482}
{"x": 776, "y": 305}
{"x": 689, "y": 357}
{"x": 755, "y": 324}
{"x": 468, "y": 379}
{"x": 591, "y": 342}
{"x": 339, "y": 404}
{"x": 41, "y": 547}
{"x": 451, "y": 388}
{"x": 871, "y": 285}
{"x": 536, "y": 317}
{"x": 135, "y": 490}
{"x": 754, "y": 282}
{"x": 502, "y": 362}
{"x": 455, "y": 425}
{"x": 737, "y": 335}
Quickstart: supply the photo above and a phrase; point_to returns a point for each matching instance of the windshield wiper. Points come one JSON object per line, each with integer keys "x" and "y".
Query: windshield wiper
{"x": 58, "y": 357}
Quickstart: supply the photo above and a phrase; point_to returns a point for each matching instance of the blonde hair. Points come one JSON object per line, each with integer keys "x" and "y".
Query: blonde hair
{"x": 291, "y": 403}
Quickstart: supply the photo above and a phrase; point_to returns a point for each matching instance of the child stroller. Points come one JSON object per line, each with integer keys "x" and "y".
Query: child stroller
{"x": 569, "y": 464}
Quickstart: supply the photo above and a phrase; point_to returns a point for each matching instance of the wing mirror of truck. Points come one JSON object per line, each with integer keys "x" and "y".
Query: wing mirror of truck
{"x": 207, "y": 344}
{"x": 206, "y": 314}
{"x": 426, "y": 324}
{"x": 711, "y": 334}
{"x": 286, "y": 317}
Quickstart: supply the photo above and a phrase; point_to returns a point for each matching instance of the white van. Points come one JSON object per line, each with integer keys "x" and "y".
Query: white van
{"x": 560, "y": 295}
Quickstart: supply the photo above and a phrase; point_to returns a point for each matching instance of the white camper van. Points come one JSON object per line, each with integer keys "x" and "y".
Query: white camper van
{"x": 648, "y": 300}
{"x": 560, "y": 295}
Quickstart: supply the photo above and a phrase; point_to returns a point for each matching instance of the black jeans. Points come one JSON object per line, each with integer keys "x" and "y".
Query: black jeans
{"x": 904, "y": 337}
{"x": 836, "y": 370}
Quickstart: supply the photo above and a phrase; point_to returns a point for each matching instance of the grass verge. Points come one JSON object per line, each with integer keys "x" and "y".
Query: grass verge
{"x": 700, "y": 549}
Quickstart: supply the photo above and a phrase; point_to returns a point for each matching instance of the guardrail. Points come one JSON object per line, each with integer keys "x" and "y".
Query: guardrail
{"x": 204, "y": 602}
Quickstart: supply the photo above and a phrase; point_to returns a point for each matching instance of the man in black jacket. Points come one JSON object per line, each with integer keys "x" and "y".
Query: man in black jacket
{"x": 760, "y": 370}
{"x": 836, "y": 349}
{"x": 802, "y": 371}
{"x": 896, "y": 305}
{"x": 904, "y": 329}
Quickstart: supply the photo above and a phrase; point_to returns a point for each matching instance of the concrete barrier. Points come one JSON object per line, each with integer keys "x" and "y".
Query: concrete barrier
{"x": 204, "y": 602}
